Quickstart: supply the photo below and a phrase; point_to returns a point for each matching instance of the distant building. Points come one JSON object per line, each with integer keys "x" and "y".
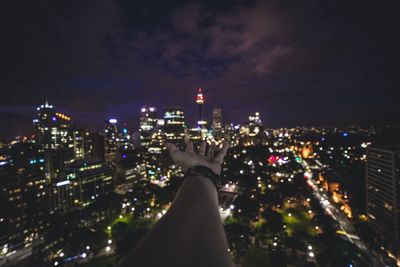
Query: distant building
{"x": 53, "y": 132}
{"x": 252, "y": 131}
{"x": 110, "y": 138}
{"x": 217, "y": 123}
{"x": 79, "y": 144}
{"x": 148, "y": 125}
{"x": 94, "y": 146}
{"x": 383, "y": 193}
{"x": 125, "y": 140}
{"x": 130, "y": 166}
{"x": 217, "y": 119}
{"x": 88, "y": 145}
{"x": 195, "y": 134}
{"x": 233, "y": 131}
{"x": 23, "y": 195}
{"x": 174, "y": 125}
{"x": 81, "y": 184}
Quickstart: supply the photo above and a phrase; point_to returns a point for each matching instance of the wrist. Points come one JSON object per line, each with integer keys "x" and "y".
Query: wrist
{"x": 204, "y": 172}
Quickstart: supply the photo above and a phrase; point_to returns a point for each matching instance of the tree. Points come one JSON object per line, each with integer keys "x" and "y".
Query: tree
{"x": 129, "y": 240}
{"x": 246, "y": 208}
{"x": 274, "y": 221}
{"x": 119, "y": 230}
{"x": 239, "y": 238}
{"x": 257, "y": 257}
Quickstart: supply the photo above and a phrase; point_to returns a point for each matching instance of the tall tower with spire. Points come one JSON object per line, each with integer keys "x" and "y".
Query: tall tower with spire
{"x": 200, "y": 103}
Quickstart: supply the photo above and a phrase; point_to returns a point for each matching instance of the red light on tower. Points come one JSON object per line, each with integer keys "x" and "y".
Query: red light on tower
{"x": 200, "y": 97}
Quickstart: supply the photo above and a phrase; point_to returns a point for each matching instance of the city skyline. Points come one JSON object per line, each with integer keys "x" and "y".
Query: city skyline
{"x": 285, "y": 60}
{"x": 125, "y": 123}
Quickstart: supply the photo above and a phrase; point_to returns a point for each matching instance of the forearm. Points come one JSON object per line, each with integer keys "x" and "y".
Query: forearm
{"x": 189, "y": 234}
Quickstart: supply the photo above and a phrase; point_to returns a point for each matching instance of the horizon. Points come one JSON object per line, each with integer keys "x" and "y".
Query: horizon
{"x": 134, "y": 125}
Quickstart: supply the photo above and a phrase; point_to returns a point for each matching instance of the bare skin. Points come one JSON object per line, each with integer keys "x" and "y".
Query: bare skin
{"x": 191, "y": 232}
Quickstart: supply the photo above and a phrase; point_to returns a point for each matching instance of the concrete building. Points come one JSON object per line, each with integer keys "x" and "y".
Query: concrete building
{"x": 383, "y": 193}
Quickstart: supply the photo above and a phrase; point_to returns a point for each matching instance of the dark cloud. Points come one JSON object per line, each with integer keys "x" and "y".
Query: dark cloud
{"x": 308, "y": 62}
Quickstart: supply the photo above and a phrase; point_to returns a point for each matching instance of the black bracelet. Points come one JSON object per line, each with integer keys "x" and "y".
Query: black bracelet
{"x": 206, "y": 172}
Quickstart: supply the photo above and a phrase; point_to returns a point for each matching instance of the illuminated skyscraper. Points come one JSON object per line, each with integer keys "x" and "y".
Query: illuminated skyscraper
{"x": 94, "y": 146}
{"x": 217, "y": 123}
{"x": 217, "y": 119}
{"x": 383, "y": 193}
{"x": 174, "y": 125}
{"x": 88, "y": 145}
{"x": 79, "y": 144}
{"x": 53, "y": 132}
{"x": 148, "y": 125}
{"x": 252, "y": 131}
{"x": 23, "y": 195}
{"x": 110, "y": 139}
{"x": 83, "y": 182}
{"x": 125, "y": 140}
{"x": 43, "y": 124}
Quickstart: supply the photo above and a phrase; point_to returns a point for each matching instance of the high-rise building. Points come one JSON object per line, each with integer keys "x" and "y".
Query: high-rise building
{"x": 383, "y": 193}
{"x": 130, "y": 166}
{"x": 22, "y": 195}
{"x": 79, "y": 144}
{"x": 52, "y": 129}
{"x": 82, "y": 183}
{"x": 174, "y": 125}
{"x": 252, "y": 131}
{"x": 125, "y": 140}
{"x": 43, "y": 125}
{"x": 195, "y": 134}
{"x": 217, "y": 123}
{"x": 148, "y": 125}
{"x": 53, "y": 132}
{"x": 110, "y": 139}
{"x": 217, "y": 119}
{"x": 88, "y": 145}
{"x": 94, "y": 146}
{"x": 157, "y": 141}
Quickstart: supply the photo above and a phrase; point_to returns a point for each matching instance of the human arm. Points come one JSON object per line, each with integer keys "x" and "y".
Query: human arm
{"x": 191, "y": 232}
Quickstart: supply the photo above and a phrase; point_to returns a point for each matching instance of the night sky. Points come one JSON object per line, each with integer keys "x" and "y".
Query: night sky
{"x": 297, "y": 62}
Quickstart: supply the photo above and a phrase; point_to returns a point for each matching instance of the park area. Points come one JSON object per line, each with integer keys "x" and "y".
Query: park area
{"x": 297, "y": 221}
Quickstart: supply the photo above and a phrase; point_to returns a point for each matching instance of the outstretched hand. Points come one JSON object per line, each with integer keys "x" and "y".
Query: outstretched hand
{"x": 189, "y": 158}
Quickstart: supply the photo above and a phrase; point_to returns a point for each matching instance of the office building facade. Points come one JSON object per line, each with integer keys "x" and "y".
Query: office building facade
{"x": 383, "y": 193}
